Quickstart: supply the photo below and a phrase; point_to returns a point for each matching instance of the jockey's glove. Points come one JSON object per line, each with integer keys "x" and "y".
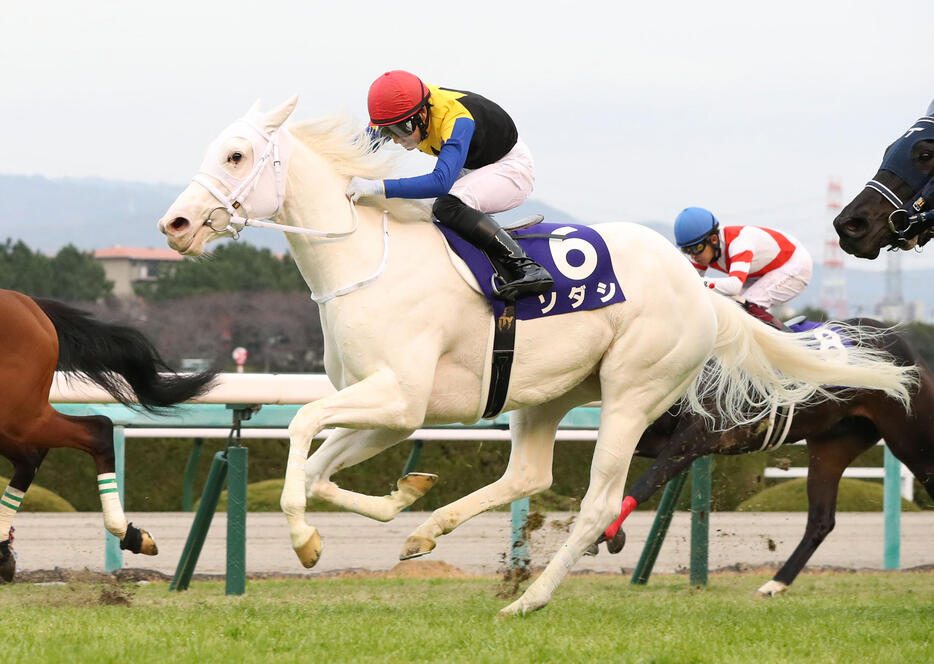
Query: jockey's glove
{"x": 362, "y": 187}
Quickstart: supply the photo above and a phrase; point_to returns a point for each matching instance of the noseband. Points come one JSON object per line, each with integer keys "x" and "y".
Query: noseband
{"x": 234, "y": 201}
{"x": 909, "y": 219}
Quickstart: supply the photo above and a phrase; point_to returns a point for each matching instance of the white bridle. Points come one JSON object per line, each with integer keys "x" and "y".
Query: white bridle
{"x": 268, "y": 195}
{"x": 271, "y": 194}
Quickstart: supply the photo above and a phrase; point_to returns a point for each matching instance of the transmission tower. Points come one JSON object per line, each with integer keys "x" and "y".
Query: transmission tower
{"x": 892, "y": 305}
{"x": 833, "y": 280}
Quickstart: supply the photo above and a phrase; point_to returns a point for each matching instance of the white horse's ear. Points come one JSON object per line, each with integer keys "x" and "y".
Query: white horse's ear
{"x": 930, "y": 110}
{"x": 274, "y": 118}
{"x": 254, "y": 108}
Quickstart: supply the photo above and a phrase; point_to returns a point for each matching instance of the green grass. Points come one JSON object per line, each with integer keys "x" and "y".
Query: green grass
{"x": 883, "y": 617}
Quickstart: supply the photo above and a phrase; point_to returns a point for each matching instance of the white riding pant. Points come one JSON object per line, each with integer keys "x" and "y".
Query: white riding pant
{"x": 783, "y": 283}
{"x": 499, "y": 186}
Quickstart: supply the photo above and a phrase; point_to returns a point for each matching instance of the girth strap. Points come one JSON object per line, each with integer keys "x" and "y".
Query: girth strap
{"x": 504, "y": 346}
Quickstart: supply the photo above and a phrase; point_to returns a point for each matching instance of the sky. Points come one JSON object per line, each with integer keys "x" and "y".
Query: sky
{"x": 632, "y": 111}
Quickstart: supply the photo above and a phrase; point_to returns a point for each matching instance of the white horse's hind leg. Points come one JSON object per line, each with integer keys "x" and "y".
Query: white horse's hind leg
{"x": 619, "y": 433}
{"x": 528, "y": 472}
{"x": 631, "y": 398}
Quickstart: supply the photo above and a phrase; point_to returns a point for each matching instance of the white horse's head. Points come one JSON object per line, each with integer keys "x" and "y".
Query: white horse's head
{"x": 242, "y": 176}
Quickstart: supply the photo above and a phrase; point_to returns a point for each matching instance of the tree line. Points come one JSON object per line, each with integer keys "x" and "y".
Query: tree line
{"x": 203, "y": 308}
{"x": 68, "y": 275}
{"x": 74, "y": 275}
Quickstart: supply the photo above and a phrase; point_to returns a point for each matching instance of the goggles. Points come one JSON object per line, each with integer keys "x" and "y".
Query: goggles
{"x": 401, "y": 129}
{"x": 694, "y": 249}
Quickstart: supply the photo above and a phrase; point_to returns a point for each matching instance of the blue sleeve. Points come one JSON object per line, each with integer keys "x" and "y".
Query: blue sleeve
{"x": 451, "y": 161}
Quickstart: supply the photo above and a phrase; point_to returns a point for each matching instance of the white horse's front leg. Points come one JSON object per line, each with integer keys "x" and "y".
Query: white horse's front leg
{"x": 375, "y": 402}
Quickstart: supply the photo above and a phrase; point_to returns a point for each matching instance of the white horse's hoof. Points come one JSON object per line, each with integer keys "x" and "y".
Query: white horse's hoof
{"x": 772, "y": 589}
{"x": 416, "y": 485}
{"x": 517, "y": 608}
{"x": 310, "y": 551}
{"x": 416, "y": 546}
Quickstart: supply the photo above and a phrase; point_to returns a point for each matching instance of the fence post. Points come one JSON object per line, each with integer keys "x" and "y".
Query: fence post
{"x": 892, "y": 508}
{"x": 412, "y": 462}
{"x": 659, "y": 528}
{"x": 236, "y": 519}
{"x": 519, "y": 553}
{"x": 191, "y": 470}
{"x": 700, "y": 519}
{"x": 201, "y": 524}
{"x": 113, "y": 554}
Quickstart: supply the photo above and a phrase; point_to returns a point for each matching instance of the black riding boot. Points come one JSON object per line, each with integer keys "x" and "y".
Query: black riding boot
{"x": 518, "y": 274}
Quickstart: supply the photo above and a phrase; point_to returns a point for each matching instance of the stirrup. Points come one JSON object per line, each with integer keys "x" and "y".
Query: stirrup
{"x": 512, "y": 290}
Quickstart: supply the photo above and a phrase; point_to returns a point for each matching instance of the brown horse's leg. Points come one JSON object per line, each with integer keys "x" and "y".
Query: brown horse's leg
{"x": 827, "y": 459}
{"x": 94, "y": 435}
{"x": 24, "y": 470}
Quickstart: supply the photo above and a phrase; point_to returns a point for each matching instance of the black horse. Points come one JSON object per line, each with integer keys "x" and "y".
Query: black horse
{"x": 896, "y": 207}
{"x": 836, "y": 431}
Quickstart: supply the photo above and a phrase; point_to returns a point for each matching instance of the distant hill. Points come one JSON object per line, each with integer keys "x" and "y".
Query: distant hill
{"x": 90, "y": 213}
{"x": 93, "y": 213}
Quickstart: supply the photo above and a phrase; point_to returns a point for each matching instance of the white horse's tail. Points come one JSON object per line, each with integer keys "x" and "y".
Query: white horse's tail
{"x": 756, "y": 366}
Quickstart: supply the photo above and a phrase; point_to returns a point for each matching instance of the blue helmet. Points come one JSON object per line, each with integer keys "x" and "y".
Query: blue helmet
{"x": 693, "y": 225}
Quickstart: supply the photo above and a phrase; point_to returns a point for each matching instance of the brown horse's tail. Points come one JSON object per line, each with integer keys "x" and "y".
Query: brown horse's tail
{"x": 104, "y": 352}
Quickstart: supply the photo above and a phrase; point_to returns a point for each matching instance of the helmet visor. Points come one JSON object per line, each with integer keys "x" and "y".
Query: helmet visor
{"x": 694, "y": 249}
{"x": 401, "y": 129}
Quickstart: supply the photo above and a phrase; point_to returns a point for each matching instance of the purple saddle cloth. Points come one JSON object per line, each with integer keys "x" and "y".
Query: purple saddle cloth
{"x": 575, "y": 255}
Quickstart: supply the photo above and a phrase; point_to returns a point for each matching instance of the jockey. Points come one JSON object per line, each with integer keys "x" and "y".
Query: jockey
{"x": 483, "y": 167}
{"x": 763, "y": 267}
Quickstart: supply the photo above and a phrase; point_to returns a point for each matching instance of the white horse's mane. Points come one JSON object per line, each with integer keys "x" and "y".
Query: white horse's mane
{"x": 339, "y": 139}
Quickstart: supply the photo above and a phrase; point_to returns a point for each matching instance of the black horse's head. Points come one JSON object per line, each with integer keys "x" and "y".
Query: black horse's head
{"x": 896, "y": 208}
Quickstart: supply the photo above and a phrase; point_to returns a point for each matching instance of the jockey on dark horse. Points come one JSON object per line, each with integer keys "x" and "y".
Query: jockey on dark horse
{"x": 483, "y": 167}
{"x": 763, "y": 266}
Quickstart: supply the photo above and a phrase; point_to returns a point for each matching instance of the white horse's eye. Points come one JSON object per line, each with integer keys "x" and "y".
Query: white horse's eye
{"x": 235, "y": 157}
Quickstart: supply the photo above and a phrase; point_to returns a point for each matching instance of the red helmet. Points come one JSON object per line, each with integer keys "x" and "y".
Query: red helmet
{"x": 395, "y": 96}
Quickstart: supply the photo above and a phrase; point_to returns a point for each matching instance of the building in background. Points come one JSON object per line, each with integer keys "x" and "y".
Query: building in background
{"x": 128, "y": 266}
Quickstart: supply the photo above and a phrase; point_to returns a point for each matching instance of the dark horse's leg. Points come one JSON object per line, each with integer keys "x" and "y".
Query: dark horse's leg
{"x": 828, "y": 457}
{"x": 911, "y": 439}
{"x": 24, "y": 470}
{"x": 675, "y": 448}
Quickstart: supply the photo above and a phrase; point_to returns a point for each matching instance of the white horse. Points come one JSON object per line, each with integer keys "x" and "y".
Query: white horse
{"x": 408, "y": 338}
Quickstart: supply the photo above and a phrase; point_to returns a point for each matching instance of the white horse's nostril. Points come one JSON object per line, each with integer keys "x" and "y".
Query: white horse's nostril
{"x": 179, "y": 224}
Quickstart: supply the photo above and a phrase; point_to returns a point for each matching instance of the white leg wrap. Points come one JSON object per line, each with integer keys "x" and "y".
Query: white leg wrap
{"x": 10, "y": 502}
{"x": 114, "y": 518}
